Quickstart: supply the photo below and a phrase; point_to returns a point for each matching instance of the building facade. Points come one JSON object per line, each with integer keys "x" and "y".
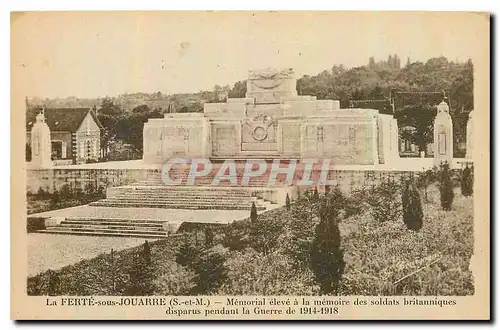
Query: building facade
{"x": 75, "y": 134}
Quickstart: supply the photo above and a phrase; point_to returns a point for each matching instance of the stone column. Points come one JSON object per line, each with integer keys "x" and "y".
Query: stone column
{"x": 394, "y": 139}
{"x": 470, "y": 136}
{"x": 64, "y": 151}
{"x": 41, "y": 148}
{"x": 443, "y": 135}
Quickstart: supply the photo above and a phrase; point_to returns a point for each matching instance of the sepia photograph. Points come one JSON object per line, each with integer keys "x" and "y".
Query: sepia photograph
{"x": 168, "y": 159}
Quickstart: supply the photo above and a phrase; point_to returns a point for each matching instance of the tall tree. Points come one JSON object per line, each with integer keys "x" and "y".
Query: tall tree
{"x": 421, "y": 118}
{"x": 412, "y": 207}
{"x": 327, "y": 256}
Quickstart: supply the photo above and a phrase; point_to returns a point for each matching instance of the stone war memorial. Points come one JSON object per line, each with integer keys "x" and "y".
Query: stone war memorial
{"x": 272, "y": 121}
{"x": 250, "y": 165}
{"x": 297, "y": 142}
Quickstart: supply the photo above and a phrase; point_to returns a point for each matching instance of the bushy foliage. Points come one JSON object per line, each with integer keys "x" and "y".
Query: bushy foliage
{"x": 380, "y": 258}
{"x": 446, "y": 187}
{"x": 115, "y": 273}
{"x": 210, "y": 271}
{"x": 252, "y": 273}
{"x": 54, "y": 287}
{"x": 412, "y": 207}
{"x": 378, "y": 255}
{"x": 188, "y": 253}
{"x": 64, "y": 197}
{"x": 299, "y": 232}
{"x": 141, "y": 275}
{"x": 209, "y": 237}
{"x": 384, "y": 201}
{"x": 237, "y": 235}
{"x": 265, "y": 234}
{"x": 467, "y": 181}
{"x": 174, "y": 279}
{"x": 425, "y": 179}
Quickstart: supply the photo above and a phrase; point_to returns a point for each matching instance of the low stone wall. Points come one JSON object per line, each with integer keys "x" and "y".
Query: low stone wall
{"x": 51, "y": 180}
{"x": 348, "y": 180}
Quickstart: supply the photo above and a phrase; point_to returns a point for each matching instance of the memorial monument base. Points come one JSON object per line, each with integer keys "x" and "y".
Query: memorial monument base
{"x": 274, "y": 122}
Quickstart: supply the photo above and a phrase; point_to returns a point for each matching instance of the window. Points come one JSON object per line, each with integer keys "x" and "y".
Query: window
{"x": 320, "y": 134}
{"x": 89, "y": 150}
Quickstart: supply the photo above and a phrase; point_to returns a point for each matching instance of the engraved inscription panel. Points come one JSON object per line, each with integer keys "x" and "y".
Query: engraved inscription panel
{"x": 225, "y": 140}
{"x": 290, "y": 137}
{"x": 345, "y": 144}
{"x": 174, "y": 141}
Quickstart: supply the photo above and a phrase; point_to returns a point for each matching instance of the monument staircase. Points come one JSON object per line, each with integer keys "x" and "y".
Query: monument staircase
{"x": 154, "y": 193}
{"x": 202, "y": 194}
{"x": 116, "y": 227}
{"x": 181, "y": 197}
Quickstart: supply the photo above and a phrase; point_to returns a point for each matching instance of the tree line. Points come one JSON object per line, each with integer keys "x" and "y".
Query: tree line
{"x": 380, "y": 80}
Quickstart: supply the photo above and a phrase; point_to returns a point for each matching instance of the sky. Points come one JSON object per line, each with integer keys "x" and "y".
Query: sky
{"x": 96, "y": 54}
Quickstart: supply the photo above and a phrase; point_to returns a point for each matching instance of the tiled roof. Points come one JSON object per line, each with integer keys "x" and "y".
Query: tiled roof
{"x": 61, "y": 119}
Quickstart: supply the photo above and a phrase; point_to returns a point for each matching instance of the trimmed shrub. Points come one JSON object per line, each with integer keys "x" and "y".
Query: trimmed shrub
{"x": 253, "y": 212}
{"x": 327, "y": 256}
{"x": 316, "y": 193}
{"x": 446, "y": 187}
{"x": 34, "y": 224}
{"x": 467, "y": 182}
{"x": 412, "y": 207}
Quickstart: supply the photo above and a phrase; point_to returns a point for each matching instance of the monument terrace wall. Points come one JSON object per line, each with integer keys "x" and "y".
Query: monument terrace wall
{"x": 54, "y": 179}
{"x": 272, "y": 121}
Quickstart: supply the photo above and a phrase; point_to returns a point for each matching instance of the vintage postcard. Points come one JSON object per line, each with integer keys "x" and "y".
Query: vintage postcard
{"x": 250, "y": 165}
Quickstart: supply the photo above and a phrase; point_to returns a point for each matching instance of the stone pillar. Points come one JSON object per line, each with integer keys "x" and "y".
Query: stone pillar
{"x": 64, "y": 151}
{"x": 443, "y": 135}
{"x": 394, "y": 139}
{"x": 470, "y": 136}
{"x": 41, "y": 148}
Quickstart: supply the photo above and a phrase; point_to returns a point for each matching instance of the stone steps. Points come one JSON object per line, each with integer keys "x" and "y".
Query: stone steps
{"x": 182, "y": 197}
{"x": 183, "y": 173}
{"x": 208, "y": 182}
{"x": 87, "y": 226}
{"x": 170, "y": 205}
{"x": 108, "y": 225}
{"x": 167, "y": 192}
{"x": 118, "y": 220}
{"x": 100, "y": 233}
{"x": 178, "y": 198}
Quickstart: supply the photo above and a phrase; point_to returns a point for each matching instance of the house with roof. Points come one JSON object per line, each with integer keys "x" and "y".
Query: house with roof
{"x": 75, "y": 134}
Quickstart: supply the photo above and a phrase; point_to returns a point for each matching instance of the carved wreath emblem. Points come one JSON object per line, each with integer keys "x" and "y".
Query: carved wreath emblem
{"x": 260, "y": 125}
